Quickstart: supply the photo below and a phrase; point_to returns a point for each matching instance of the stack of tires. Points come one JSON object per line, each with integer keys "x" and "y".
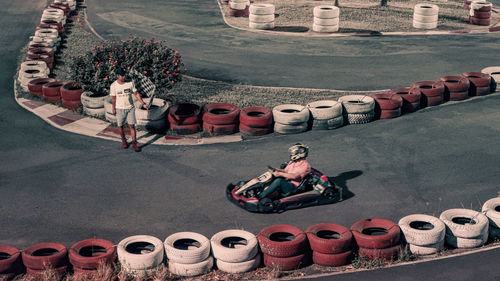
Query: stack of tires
{"x": 284, "y": 247}
{"x": 70, "y": 95}
{"x": 235, "y": 251}
{"x": 425, "y": 16}
{"x": 387, "y": 105}
{"x": 331, "y": 244}
{"x": 38, "y": 64}
{"x": 45, "y": 54}
{"x": 140, "y": 254}
{"x": 42, "y": 40}
{"x": 27, "y": 74}
{"x": 256, "y": 121}
{"x": 465, "y": 228}
{"x": 152, "y": 120}
{"x": 424, "y": 234}
{"x": 63, "y": 6}
{"x": 377, "y": 239}
{"x": 49, "y": 34}
{"x": 491, "y": 209}
{"x": 261, "y": 16}
{"x": 51, "y": 24}
{"x": 326, "y": 19}
{"x": 239, "y": 8}
{"x": 10, "y": 262}
{"x": 40, "y": 257}
{"x": 494, "y": 72}
{"x": 220, "y": 118}
{"x": 93, "y": 104}
{"x": 431, "y": 92}
{"x": 35, "y": 86}
{"x": 87, "y": 255}
{"x": 290, "y": 118}
{"x": 411, "y": 99}
{"x": 479, "y": 83}
{"x": 188, "y": 254}
{"x": 358, "y": 109}
{"x": 108, "y": 110}
{"x": 184, "y": 118}
{"x": 456, "y": 88}
{"x": 51, "y": 92}
{"x": 480, "y": 13}
{"x": 326, "y": 114}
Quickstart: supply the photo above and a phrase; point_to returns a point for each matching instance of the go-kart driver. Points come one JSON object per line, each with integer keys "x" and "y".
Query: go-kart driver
{"x": 288, "y": 179}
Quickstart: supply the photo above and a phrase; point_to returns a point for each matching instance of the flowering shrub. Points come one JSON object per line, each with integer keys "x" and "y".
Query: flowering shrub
{"x": 95, "y": 70}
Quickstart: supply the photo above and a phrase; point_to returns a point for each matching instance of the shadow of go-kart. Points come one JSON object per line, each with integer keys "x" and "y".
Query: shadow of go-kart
{"x": 315, "y": 189}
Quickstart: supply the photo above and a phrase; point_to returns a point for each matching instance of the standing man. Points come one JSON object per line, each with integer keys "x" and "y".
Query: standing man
{"x": 123, "y": 106}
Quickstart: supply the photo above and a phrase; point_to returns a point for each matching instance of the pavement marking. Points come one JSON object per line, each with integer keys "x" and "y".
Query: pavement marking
{"x": 48, "y": 110}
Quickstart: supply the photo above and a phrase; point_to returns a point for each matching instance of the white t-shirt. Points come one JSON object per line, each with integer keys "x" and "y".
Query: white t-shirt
{"x": 123, "y": 93}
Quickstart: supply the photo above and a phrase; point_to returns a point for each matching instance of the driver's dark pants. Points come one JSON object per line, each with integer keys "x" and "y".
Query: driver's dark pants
{"x": 284, "y": 186}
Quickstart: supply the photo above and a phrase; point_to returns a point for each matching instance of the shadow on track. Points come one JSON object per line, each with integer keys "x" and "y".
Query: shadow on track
{"x": 341, "y": 181}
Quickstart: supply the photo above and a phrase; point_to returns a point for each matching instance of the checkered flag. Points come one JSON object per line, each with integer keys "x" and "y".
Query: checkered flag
{"x": 143, "y": 85}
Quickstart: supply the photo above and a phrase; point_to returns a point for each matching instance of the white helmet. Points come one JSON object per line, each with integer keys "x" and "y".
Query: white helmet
{"x": 298, "y": 151}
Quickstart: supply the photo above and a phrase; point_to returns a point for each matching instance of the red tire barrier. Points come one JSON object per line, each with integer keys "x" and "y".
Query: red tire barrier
{"x": 57, "y": 270}
{"x": 71, "y": 91}
{"x": 411, "y": 99}
{"x": 256, "y": 117}
{"x": 38, "y": 46}
{"x": 58, "y": 24}
{"x": 239, "y": 13}
{"x": 456, "y": 96}
{"x": 221, "y": 113}
{"x": 390, "y": 113}
{"x": 478, "y": 79}
{"x": 282, "y": 240}
{"x": 52, "y": 89}
{"x": 41, "y": 51}
{"x": 388, "y": 101}
{"x": 455, "y": 83}
{"x": 49, "y": 61}
{"x": 64, "y": 7}
{"x": 482, "y": 15}
{"x": 71, "y": 104}
{"x": 323, "y": 238}
{"x": 432, "y": 92}
{"x": 185, "y": 129}
{"x": 48, "y": 26}
{"x": 376, "y": 233}
{"x": 285, "y": 263}
{"x": 220, "y": 130}
{"x": 51, "y": 99}
{"x": 493, "y": 85}
{"x": 44, "y": 255}
{"x": 433, "y": 101}
{"x": 90, "y": 253}
{"x": 184, "y": 114}
{"x": 484, "y": 9}
{"x": 482, "y": 22}
{"x": 11, "y": 259}
{"x": 332, "y": 259}
{"x": 479, "y": 91}
{"x": 35, "y": 86}
{"x": 251, "y": 131}
{"x": 385, "y": 254}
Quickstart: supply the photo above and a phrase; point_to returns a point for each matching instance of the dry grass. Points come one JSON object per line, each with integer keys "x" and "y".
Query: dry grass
{"x": 359, "y": 15}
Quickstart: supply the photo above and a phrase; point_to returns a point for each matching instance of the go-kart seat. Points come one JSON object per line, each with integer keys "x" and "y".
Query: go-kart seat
{"x": 304, "y": 186}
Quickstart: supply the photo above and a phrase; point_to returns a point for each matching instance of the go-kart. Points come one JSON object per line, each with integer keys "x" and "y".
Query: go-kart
{"x": 314, "y": 189}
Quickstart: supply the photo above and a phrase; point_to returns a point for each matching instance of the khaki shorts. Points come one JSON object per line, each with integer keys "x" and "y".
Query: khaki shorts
{"x": 125, "y": 114}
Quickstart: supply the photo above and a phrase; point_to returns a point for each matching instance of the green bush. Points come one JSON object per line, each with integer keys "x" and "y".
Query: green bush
{"x": 95, "y": 70}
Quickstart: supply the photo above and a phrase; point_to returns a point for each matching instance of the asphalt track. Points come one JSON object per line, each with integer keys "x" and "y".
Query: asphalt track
{"x": 213, "y": 50}
{"x": 61, "y": 187}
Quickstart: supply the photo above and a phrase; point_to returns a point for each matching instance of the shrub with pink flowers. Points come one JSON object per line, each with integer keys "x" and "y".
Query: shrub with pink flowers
{"x": 96, "y": 70}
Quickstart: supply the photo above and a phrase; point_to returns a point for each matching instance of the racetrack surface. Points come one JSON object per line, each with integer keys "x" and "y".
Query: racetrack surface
{"x": 60, "y": 187}
{"x": 213, "y": 50}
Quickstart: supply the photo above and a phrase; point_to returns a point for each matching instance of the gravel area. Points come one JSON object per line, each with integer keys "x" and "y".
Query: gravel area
{"x": 359, "y": 15}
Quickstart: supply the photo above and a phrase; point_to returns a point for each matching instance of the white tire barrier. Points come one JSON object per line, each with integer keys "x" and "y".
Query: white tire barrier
{"x": 187, "y": 247}
{"x": 494, "y": 71}
{"x": 261, "y": 16}
{"x": 467, "y": 243}
{"x": 154, "y": 119}
{"x": 290, "y": 118}
{"x": 326, "y": 114}
{"x": 188, "y": 270}
{"x": 28, "y": 74}
{"x": 235, "y": 250}
{"x": 290, "y": 129}
{"x": 239, "y": 267}
{"x": 465, "y": 228}
{"x": 326, "y": 19}
{"x": 491, "y": 209}
{"x": 90, "y": 100}
{"x": 239, "y": 4}
{"x": 358, "y": 109}
{"x": 35, "y": 64}
{"x": 425, "y": 16}
{"x": 46, "y": 40}
{"x": 425, "y": 234}
{"x": 49, "y": 33}
{"x": 139, "y": 253}
{"x": 94, "y": 112}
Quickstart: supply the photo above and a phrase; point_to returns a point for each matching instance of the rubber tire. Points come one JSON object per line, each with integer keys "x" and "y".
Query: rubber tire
{"x": 285, "y": 263}
{"x": 431, "y": 101}
{"x": 191, "y": 269}
{"x": 231, "y": 117}
{"x": 157, "y": 113}
{"x": 481, "y": 15}
{"x": 478, "y": 79}
{"x": 328, "y": 22}
{"x": 389, "y": 253}
{"x": 422, "y": 9}
{"x": 464, "y": 231}
{"x": 461, "y": 85}
{"x": 35, "y": 85}
{"x": 36, "y": 272}
{"x": 131, "y": 261}
{"x": 185, "y": 129}
{"x": 493, "y": 232}
{"x": 251, "y": 131}
{"x": 493, "y": 71}
{"x": 51, "y": 99}
{"x": 357, "y": 104}
{"x": 467, "y": 243}
{"x": 332, "y": 259}
{"x": 388, "y": 101}
{"x": 290, "y": 129}
{"x": 236, "y": 254}
{"x": 285, "y": 248}
{"x": 361, "y": 118}
{"x": 52, "y": 89}
{"x": 426, "y": 249}
{"x": 325, "y": 28}
{"x": 262, "y": 9}
{"x": 329, "y": 246}
{"x": 421, "y": 237}
{"x": 483, "y": 7}
{"x": 326, "y": 12}
{"x": 220, "y": 130}
{"x": 71, "y": 104}
{"x": 437, "y": 89}
{"x": 493, "y": 85}
{"x": 188, "y": 119}
{"x": 325, "y": 109}
{"x": 42, "y": 262}
{"x": 85, "y": 262}
{"x": 409, "y": 95}
{"x": 238, "y": 13}
{"x": 90, "y": 101}
{"x": 328, "y": 124}
{"x": 390, "y": 113}
{"x": 299, "y": 115}
{"x": 94, "y": 112}
{"x": 264, "y": 120}
{"x": 239, "y": 267}
{"x": 9, "y": 264}
{"x": 70, "y": 94}
{"x": 424, "y": 25}
{"x": 261, "y": 18}
{"x": 432, "y": 19}
{"x": 189, "y": 256}
{"x": 261, "y": 26}
{"x": 457, "y": 96}
{"x": 479, "y": 91}
{"x": 39, "y": 64}
{"x": 489, "y": 210}
{"x": 391, "y": 238}
{"x": 110, "y": 117}
{"x": 482, "y": 22}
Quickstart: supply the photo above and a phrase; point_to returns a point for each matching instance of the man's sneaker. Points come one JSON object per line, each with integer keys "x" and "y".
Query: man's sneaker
{"x": 135, "y": 147}
{"x": 124, "y": 144}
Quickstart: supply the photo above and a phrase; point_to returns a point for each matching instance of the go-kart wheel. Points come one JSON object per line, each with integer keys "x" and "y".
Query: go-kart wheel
{"x": 330, "y": 194}
{"x": 266, "y": 204}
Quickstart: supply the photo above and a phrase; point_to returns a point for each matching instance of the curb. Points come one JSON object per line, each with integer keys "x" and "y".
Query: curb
{"x": 495, "y": 27}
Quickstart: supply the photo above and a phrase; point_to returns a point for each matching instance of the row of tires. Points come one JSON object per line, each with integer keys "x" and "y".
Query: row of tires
{"x": 480, "y": 13}
{"x": 53, "y": 91}
{"x": 284, "y": 247}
